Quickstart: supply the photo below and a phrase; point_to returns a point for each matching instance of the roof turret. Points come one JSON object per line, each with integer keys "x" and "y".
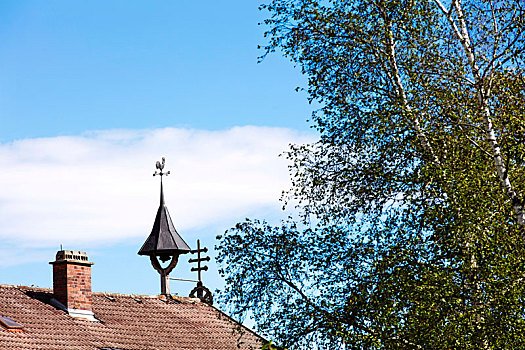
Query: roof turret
{"x": 164, "y": 240}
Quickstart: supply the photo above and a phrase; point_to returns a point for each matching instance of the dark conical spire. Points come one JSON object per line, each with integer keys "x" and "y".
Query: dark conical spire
{"x": 164, "y": 240}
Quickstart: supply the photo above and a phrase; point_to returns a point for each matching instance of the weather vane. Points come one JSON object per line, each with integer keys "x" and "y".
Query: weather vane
{"x": 160, "y": 166}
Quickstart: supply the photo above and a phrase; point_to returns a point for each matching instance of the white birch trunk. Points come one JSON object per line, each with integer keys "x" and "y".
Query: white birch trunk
{"x": 396, "y": 77}
{"x": 482, "y": 94}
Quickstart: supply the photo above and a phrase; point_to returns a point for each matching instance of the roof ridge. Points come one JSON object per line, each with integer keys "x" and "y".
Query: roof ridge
{"x": 18, "y": 286}
{"x": 124, "y": 295}
{"x": 145, "y": 296}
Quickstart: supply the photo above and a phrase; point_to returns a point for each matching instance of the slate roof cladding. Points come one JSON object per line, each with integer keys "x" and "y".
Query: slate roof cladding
{"x": 127, "y": 322}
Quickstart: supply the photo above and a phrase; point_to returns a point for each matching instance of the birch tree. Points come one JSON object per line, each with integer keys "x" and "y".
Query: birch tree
{"x": 411, "y": 233}
{"x": 497, "y": 46}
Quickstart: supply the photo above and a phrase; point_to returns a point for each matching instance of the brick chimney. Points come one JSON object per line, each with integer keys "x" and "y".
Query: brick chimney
{"x": 72, "y": 283}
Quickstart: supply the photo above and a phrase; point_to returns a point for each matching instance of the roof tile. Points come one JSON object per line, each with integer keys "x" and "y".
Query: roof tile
{"x": 127, "y": 322}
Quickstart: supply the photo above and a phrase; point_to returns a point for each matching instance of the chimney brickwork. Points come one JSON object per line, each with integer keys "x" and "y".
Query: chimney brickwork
{"x": 72, "y": 280}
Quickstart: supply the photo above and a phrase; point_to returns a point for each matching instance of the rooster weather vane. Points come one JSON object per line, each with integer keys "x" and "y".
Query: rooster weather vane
{"x": 160, "y": 166}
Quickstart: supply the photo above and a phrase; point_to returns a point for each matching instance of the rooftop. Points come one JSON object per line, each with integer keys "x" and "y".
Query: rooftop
{"x": 127, "y": 322}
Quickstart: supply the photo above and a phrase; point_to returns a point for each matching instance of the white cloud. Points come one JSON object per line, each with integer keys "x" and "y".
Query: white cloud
{"x": 98, "y": 187}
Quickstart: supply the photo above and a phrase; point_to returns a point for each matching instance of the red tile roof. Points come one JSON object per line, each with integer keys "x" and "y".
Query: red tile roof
{"x": 126, "y": 323}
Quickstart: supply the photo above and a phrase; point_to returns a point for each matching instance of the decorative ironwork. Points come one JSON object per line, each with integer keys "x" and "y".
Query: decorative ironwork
{"x": 200, "y": 291}
{"x": 199, "y": 268}
{"x": 203, "y": 293}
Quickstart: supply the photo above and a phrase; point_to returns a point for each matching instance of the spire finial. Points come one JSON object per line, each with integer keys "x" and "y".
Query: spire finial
{"x": 160, "y": 166}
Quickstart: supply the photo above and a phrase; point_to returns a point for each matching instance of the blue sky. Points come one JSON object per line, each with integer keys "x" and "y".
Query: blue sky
{"x": 71, "y": 66}
{"x": 92, "y": 93}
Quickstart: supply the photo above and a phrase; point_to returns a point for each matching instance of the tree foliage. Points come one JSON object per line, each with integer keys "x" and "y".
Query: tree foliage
{"x": 411, "y": 228}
